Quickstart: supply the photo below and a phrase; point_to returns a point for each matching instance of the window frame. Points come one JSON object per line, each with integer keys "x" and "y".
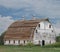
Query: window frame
{"x": 38, "y": 25}
{"x": 14, "y": 41}
{"x": 24, "y": 41}
{"x": 18, "y": 41}
{"x": 9, "y": 41}
{"x": 36, "y": 31}
{"x": 49, "y": 26}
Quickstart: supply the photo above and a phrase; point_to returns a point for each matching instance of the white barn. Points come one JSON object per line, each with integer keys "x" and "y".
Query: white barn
{"x": 37, "y": 31}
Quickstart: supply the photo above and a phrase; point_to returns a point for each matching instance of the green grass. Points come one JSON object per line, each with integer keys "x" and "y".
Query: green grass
{"x": 27, "y": 49}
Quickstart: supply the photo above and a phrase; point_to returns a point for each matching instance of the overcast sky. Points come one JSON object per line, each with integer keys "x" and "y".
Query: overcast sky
{"x": 11, "y": 10}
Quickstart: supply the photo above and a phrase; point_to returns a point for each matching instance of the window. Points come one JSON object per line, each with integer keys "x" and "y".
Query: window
{"x": 14, "y": 41}
{"x": 50, "y": 41}
{"x": 39, "y": 42}
{"x": 49, "y": 26}
{"x": 36, "y": 31}
{"x": 39, "y": 25}
{"x": 52, "y": 30}
{"x": 9, "y": 41}
{"x": 19, "y": 41}
{"x": 24, "y": 41}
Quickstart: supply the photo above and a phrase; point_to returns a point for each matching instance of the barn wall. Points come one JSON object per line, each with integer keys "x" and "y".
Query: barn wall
{"x": 44, "y": 33}
{"x": 6, "y": 42}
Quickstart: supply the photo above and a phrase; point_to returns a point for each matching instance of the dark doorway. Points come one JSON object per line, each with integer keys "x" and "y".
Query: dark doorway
{"x": 43, "y": 42}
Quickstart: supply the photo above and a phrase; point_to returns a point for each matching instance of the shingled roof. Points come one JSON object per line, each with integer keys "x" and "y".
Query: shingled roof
{"x": 23, "y": 29}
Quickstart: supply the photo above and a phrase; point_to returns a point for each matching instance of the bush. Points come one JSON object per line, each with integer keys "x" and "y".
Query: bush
{"x": 58, "y": 39}
{"x": 57, "y": 44}
{"x": 30, "y": 44}
{"x": 2, "y": 38}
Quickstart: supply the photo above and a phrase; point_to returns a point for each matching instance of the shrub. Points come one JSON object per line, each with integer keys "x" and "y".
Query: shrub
{"x": 57, "y": 44}
{"x": 58, "y": 39}
{"x": 30, "y": 44}
{"x": 2, "y": 38}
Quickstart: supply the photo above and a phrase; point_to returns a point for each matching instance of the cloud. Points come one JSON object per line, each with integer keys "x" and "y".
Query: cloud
{"x": 14, "y": 3}
{"x": 48, "y": 8}
{"x": 5, "y": 22}
{"x": 44, "y": 8}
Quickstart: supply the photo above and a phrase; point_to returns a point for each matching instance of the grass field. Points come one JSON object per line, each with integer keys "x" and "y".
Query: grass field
{"x": 27, "y": 49}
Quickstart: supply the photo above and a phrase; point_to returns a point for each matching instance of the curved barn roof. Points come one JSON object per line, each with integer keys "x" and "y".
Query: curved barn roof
{"x": 23, "y": 29}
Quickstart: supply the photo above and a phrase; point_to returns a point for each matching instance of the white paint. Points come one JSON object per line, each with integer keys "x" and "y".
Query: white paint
{"x": 41, "y": 25}
{"x": 11, "y": 42}
{"x": 44, "y": 33}
{"x": 16, "y": 42}
{"x": 6, "y": 42}
{"x": 21, "y": 41}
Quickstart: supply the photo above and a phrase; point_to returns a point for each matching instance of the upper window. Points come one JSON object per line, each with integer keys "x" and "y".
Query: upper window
{"x": 49, "y": 26}
{"x": 36, "y": 31}
{"x": 52, "y": 30}
{"x": 39, "y": 25}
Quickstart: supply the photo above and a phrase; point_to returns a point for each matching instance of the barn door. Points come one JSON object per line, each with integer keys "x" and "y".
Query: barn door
{"x": 43, "y": 42}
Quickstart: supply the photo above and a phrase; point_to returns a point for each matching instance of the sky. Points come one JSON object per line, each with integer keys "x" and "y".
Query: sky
{"x": 12, "y": 10}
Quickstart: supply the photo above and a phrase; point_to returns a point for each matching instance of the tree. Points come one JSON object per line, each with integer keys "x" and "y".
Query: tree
{"x": 58, "y": 39}
{"x": 1, "y": 38}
